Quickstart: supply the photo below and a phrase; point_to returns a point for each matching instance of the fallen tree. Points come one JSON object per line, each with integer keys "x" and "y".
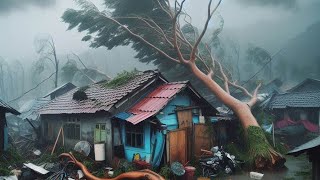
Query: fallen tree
{"x": 158, "y": 36}
{"x": 143, "y": 174}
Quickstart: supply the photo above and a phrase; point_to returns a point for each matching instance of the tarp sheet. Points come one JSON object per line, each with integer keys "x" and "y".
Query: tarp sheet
{"x": 288, "y": 122}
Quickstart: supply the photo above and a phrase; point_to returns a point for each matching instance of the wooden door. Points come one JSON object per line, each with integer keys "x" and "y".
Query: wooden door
{"x": 202, "y": 139}
{"x": 185, "y": 118}
{"x": 177, "y": 146}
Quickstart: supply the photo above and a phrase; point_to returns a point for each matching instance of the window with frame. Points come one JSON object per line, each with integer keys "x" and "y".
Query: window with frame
{"x": 100, "y": 133}
{"x": 134, "y": 135}
{"x": 72, "y": 129}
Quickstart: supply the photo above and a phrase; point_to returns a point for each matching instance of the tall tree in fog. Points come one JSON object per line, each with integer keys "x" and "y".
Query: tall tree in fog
{"x": 260, "y": 57}
{"x": 6, "y": 80}
{"x": 161, "y": 32}
{"x": 46, "y": 48}
{"x": 18, "y": 74}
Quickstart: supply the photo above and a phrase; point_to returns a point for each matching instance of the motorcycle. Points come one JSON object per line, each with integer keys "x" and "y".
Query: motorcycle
{"x": 219, "y": 161}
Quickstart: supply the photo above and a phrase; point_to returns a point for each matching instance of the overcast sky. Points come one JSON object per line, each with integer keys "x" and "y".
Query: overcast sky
{"x": 269, "y": 24}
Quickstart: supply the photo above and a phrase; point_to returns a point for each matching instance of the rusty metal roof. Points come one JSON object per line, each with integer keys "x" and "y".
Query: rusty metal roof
{"x": 100, "y": 98}
{"x": 155, "y": 101}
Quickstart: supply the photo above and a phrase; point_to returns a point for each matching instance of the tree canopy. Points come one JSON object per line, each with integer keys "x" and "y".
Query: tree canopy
{"x": 150, "y": 19}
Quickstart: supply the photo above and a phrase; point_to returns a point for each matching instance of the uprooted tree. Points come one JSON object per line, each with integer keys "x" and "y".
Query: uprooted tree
{"x": 161, "y": 32}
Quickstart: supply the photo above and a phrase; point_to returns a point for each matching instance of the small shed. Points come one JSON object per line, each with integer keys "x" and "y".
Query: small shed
{"x": 5, "y": 108}
{"x": 166, "y": 125}
{"x": 312, "y": 148}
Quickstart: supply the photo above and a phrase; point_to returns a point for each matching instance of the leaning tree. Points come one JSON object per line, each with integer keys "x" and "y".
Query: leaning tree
{"x": 161, "y": 32}
{"x": 46, "y": 48}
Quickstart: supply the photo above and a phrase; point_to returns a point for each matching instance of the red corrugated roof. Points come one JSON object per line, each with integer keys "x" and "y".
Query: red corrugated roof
{"x": 155, "y": 101}
{"x": 100, "y": 98}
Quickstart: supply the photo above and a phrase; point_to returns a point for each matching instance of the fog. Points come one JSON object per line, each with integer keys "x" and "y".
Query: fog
{"x": 272, "y": 25}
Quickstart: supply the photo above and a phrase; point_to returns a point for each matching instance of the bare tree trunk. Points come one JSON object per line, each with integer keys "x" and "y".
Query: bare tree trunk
{"x": 56, "y": 61}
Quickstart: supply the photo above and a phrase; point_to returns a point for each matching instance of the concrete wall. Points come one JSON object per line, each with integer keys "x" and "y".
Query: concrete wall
{"x": 87, "y": 125}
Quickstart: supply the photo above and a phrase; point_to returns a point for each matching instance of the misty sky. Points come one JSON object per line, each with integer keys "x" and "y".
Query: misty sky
{"x": 269, "y": 24}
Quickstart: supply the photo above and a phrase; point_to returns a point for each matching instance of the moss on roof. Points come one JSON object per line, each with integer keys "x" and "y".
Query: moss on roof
{"x": 121, "y": 79}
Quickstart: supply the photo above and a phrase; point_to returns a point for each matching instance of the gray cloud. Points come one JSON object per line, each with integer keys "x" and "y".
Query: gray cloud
{"x": 6, "y": 6}
{"x": 273, "y": 3}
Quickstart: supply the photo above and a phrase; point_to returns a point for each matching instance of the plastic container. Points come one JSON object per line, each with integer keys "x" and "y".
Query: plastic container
{"x": 99, "y": 152}
{"x": 256, "y": 175}
{"x": 189, "y": 173}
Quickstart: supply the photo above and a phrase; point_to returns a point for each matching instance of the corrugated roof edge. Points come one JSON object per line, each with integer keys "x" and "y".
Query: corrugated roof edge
{"x": 306, "y": 146}
{"x": 9, "y": 108}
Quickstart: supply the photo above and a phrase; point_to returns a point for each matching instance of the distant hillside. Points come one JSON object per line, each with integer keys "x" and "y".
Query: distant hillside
{"x": 300, "y": 58}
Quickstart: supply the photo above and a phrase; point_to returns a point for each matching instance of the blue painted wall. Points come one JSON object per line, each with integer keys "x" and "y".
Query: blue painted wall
{"x": 144, "y": 152}
{"x": 157, "y": 139}
{"x": 168, "y": 115}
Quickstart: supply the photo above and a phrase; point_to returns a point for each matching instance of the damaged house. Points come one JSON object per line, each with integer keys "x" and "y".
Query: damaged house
{"x": 27, "y": 123}
{"x": 144, "y": 118}
{"x": 297, "y": 111}
{"x": 5, "y": 108}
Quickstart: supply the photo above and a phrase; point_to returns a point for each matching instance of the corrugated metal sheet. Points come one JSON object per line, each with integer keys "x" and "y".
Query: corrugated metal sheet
{"x": 100, "y": 98}
{"x": 155, "y": 101}
{"x": 30, "y": 110}
{"x": 67, "y": 86}
{"x": 304, "y": 147}
{"x": 8, "y": 108}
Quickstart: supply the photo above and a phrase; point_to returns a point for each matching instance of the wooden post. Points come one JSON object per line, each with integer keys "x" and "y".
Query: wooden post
{"x": 62, "y": 132}
{"x": 274, "y": 143}
{"x": 54, "y": 147}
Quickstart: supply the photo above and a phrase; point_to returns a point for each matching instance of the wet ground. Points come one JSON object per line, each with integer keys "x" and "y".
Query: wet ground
{"x": 297, "y": 168}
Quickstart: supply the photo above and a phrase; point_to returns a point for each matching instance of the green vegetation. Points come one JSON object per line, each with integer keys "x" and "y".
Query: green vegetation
{"x": 124, "y": 166}
{"x": 165, "y": 172}
{"x": 257, "y": 144}
{"x": 10, "y": 159}
{"x": 121, "y": 79}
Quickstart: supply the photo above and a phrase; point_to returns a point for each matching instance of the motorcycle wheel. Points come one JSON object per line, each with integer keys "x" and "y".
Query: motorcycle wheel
{"x": 231, "y": 167}
{"x": 207, "y": 172}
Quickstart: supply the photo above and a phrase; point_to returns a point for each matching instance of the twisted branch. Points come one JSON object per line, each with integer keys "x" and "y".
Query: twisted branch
{"x": 143, "y": 174}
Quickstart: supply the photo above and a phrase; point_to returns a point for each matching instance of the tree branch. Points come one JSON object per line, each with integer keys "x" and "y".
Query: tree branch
{"x": 210, "y": 13}
{"x": 140, "y": 38}
{"x": 254, "y": 98}
{"x": 175, "y": 40}
{"x": 158, "y": 29}
{"x": 225, "y": 78}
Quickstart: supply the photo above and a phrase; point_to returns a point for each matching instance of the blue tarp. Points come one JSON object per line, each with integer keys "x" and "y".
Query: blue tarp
{"x": 122, "y": 115}
{"x": 6, "y": 139}
{"x": 267, "y": 128}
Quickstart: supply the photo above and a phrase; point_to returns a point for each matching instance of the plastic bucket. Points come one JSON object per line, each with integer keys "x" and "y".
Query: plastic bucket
{"x": 99, "y": 152}
{"x": 189, "y": 172}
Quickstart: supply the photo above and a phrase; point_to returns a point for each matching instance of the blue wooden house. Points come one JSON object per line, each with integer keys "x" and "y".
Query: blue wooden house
{"x": 161, "y": 126}
{"x": 5, "y": 108}
{"x": 143, "y": 117}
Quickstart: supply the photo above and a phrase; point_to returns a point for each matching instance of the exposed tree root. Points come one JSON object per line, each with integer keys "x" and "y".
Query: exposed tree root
{"x": 262, "y": 155}
{"x": 143, "y": 174}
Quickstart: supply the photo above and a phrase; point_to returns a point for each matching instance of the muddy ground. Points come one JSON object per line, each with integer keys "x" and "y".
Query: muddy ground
{"x": 297, "y": 168}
